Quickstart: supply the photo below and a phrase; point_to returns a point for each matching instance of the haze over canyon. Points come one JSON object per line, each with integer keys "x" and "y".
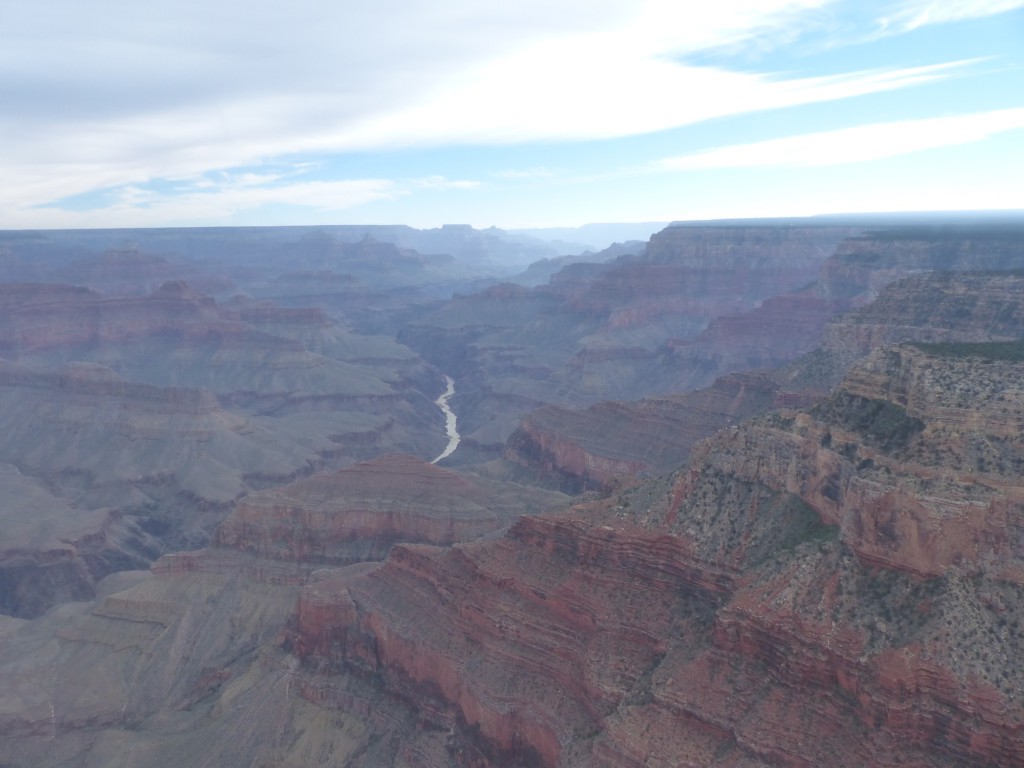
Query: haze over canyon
{"x": 742, "y": 493}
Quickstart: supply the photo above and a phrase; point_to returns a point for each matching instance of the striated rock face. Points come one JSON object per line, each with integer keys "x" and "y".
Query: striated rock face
{"x": 703, "y": 272}
{"x": 616, "y": 647}
{"x": 85, "y": 421}
{"x": 186, "y": 663}
{"x": 839, "y": 585}
{"x": 628, "y": 328}
{"x": 147, "y": 417}
{"x": 586, "y": 448}
{"x": 527, "y": 643}
{"x": 357, "y": 513}
{"x": 935, "y": 306}
{"x": 824, "y": 587}
{"x": 778, "y": 331}
{"x": 103, "y": 474}
{"x": 917, "y": 457}
{"x": 700, "y": 302}
{"x": 176, "y": 336}
{"x": 592, "y": 447}
{"x": 704, "y": 301}
{"x": 865, "y": 263}
{"x": 38, "y": 317}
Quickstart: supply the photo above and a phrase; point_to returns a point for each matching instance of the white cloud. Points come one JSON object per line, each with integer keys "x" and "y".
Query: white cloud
{"x": 858, "y": 144}
{"x": 112, "y": 95}
{"x": 588, "y": 90}
{"x": 103, "y": 94}
{"x": 913, "y": 14}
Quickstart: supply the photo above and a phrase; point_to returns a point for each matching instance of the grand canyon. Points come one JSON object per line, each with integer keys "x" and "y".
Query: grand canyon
{"x": 745, "y": 494}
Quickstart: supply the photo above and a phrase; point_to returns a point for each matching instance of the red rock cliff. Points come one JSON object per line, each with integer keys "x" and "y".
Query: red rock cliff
{"x": 816, "y": 589}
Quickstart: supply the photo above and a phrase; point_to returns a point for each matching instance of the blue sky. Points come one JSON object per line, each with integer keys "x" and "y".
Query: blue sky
{"x": 533, "y": 114}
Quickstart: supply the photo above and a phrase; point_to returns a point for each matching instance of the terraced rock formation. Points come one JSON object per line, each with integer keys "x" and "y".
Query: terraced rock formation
{"x": 147, "y": 417}
{"x": 835, "y": 582}
{"x": 357, "y": 513}
{"x": 609, "y": 442}
{"x": 930, "y": 306}
{"x": 187, "y": 662}
{"x": 589, "y": 447}
{"x": 619, "y": 330}
{"x": 816, "y": 587}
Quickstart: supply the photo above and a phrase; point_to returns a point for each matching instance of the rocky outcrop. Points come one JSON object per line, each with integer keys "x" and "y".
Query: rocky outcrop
{"x": 690, "y": 275}
{"x": 587, "y": 447}
{"x": 615, "y": 647}
{"x": 758, "y": 257}
{"x": 42, "y": 317}
{"x": 542, "y": 634}
{"x": 916, "y": 457}
{"x": 931, "y": 307}
{"x": 707, "y": 300}
{"x": 839, "y": 585}
{"x": 104, "y": 474}
{"x": 777, "y": 332}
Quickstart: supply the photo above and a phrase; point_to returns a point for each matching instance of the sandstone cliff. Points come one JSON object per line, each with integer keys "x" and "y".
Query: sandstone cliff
{"x": 186, "y": 664}
{"x": 865, "y": 263}
{"x": 818, "y": 588}
{"x": 916, "y": 457}
{"x": 647, "y": 629}
{"x": 932, "y": 306}
{"x": 586, "y": 448}
{"x": 702, "y": 301}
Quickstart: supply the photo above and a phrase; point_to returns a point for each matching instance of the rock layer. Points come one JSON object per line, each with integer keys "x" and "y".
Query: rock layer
{"x": 631, "y": 327}
{"x": 917, "y": 457}
{"x": 357, "y": 513}
{"x": 159, "y": 411}
{"x": 591, "y": 448}
{"x": 759, "y": 608}
{"x": 834, "y": 586}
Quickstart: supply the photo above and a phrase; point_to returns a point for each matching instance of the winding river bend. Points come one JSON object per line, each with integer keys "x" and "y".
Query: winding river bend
{"x": 449, "y": 420}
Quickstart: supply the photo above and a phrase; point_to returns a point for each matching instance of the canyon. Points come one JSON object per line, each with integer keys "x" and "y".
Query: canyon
{"x": 750, "y": 495}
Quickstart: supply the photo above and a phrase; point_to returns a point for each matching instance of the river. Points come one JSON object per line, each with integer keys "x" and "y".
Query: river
{"x": 450, "y": 424}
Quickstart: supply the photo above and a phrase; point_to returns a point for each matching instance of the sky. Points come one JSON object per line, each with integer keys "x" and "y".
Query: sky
{"x": 119, "y": 113}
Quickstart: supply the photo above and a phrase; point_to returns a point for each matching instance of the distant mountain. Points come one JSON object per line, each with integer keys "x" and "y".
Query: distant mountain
{"x": 595, "y": 237}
